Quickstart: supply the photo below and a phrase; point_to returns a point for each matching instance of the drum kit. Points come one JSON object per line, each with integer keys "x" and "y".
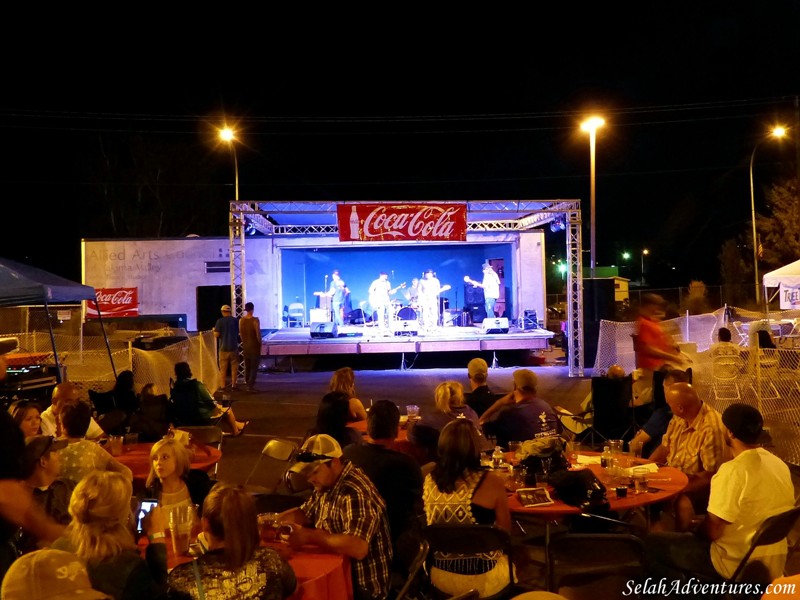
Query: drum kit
{"x": 401, "y": 312}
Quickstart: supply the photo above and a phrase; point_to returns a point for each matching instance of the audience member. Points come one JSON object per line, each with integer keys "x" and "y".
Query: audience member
{"x": 396, "y": 475}
{"x": 100, "y": 535}
{"x": 480, "y": 397}
{"x": 48, "y": 575}
{"x": 153, "y": 419}
{"x": 172, "y": 480}
{"x": 652, "y": 345}
{"x": 51, "y": 424}
{"x": 577, "y": 424}
{"x": 695, "y": 444}
{"x": 82, "y": 456}
{"x": 42, "y": 477}
{"x": 123, "y": 404}
{"x": 765, "y": 341}
{"x": 345, "y": 514}
{"x": 192, "y": 403}
{"x": 724, "y": 346}
{"x": 234, "y": 567}
{"x": 250, "y": 333}
{"x": 459, "y": 492}
{"x": 746, "y": 490}
{"x": 28, "y": 416}
{"x": 520, "y": 415}
{"x": 226, "y": 330}
{"x": 333, "y": 417}
{"x": 344, "y": 380}
{"x": 448, "y": 405}
{"x": 653, "y": 430}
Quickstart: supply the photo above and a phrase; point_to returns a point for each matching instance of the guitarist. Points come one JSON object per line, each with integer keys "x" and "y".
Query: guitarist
{"x": 380, "y": 292}
{"x": 429, "y": 290}
{"x": 491, "y": 288}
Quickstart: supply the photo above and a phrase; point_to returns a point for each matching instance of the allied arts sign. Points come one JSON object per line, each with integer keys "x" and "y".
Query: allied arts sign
{"x": 402, "y": 222}
{"x": 114, "y": 302}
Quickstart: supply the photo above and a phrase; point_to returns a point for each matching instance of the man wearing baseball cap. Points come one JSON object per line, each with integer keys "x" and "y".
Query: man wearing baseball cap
{"x": 226, "y": 330}
{"x": 49, "y": 575}
{"x": 344, "y": 514}
{"x": 480, "y": 397}
{"x": 746, "y": 490}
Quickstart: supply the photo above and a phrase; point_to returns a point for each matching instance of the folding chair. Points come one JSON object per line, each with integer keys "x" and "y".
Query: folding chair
{"x": 210, "y": 435}
{"x": 726, "y": 371}
{"x": 613, "y": 416}
{"x": 414, "y": 569}
{"x": 470, "y": 540}
{"x": 296, "y": 315}
{"x": 278, "y": 450}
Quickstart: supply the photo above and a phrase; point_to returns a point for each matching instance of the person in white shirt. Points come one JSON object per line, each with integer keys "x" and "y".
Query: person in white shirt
{"x": 51, "y": 424}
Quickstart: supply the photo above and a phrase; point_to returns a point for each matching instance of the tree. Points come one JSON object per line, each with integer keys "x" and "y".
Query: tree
{"x": 780, "y": 232}
{"x": 733, "y": 272}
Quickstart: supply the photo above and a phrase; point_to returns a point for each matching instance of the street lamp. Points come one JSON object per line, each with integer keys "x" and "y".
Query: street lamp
{"x": 645, "y": 251}
{"x": 228, "y": 135}
{"x": 591, "y": 125}
{"x": 777, "y": 132}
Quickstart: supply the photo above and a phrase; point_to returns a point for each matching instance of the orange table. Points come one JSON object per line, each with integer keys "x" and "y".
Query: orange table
{"x": 320, "y": 575}
{"x": 137, "y": 458}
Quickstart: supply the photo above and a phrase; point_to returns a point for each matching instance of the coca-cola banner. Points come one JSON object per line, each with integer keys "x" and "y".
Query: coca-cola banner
{"x": 114, "y": 302}
{"x": 402, "y": 222}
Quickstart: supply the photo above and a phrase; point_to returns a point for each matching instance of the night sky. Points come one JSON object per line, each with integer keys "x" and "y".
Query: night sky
{"x": 396, "y": 107}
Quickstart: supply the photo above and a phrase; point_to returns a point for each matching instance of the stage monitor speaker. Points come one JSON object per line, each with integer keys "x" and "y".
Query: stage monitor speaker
{"x": 401, "y": 327}
{"x": 477, "y": 312}
{"x": 473, "y": 295}
{"x": 495, "y": 325}
{"x": 324, "y": 330}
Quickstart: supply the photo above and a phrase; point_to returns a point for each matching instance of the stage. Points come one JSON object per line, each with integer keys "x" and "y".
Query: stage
{"x": 366, "y": 339}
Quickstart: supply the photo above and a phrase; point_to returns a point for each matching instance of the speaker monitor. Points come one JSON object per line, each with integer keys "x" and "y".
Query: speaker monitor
{"x": 477, "y": 312}
{"x": 323, "y": 330}
{"x": 495, "y": 325}
{"x": 473, "y": 295}
{"x": 401, "y": 327}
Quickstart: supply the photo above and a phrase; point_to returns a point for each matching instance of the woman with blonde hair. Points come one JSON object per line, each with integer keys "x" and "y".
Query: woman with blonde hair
{"x": 172, "y": 480}
{"x": 344, "y": 380}
{"x": 449, "y": 404}
{"x": 234, "y": 567}
{"x": 100, "y": 535}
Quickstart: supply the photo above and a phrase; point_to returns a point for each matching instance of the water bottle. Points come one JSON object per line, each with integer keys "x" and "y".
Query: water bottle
{"x": 606, "y": 458}
{"x": 497, "y": 457}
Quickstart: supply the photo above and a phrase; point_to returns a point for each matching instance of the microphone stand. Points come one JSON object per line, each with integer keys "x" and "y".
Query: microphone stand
{"x": 325, "y": 291}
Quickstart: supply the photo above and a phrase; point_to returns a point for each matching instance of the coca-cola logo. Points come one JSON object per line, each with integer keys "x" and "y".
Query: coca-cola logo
{"x": 426, "y": 222}
{"x": 120, "y": 297}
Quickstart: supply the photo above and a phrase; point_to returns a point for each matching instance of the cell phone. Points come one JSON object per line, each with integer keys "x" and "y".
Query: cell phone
{"x": 144, "y": 507}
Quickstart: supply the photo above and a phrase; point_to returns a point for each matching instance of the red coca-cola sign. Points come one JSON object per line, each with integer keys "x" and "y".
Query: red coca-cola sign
{"x": 402, "y": 222}
{"x": 114, "y": 302}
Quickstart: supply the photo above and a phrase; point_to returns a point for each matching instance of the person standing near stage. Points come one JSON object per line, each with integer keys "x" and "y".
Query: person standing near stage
{"x": 380, "y": 300}
{"x": 250, "y": 332}
{"x": 491, "y": 288}
{"x": 429, "y": 289}
{"x": 338, "y": 294}
{"x": 226, "y": 330}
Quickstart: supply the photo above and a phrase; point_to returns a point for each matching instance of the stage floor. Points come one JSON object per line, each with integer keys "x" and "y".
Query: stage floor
{"x": 365, "y": 339}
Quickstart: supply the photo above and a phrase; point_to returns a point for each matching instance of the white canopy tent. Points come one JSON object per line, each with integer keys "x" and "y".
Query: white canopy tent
{"x": 787, "y": 280}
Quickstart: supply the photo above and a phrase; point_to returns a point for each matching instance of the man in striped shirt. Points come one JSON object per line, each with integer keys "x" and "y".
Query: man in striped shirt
{"x": 695, "y": 444}
{"x": 344, "y": 514}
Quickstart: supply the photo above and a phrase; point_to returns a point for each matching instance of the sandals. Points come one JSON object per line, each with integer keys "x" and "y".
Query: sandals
{"x": 241, "y": 429}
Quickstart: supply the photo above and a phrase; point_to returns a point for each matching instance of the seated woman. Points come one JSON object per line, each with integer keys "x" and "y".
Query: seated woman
{"x": 450, "y": 405}
{"x": 344, "y": 380}
{"x": 81, "y": 456}
{"x": 27, "y": 415}
{"x": 152, "y": 420}
{"x": 332, "y": 418}
{"x": 235, "y": 566}
{"x": 193, "y": 404}
{"x": 121, "y": 403}
{"x": 458, "y": 492}
{"x": 172, "y": 480}
{"x": 100, "y": 534}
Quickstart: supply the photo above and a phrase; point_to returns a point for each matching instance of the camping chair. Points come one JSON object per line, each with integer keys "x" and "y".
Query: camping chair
{"x": 582, "y": 558}
{"x": 277, "y": 450}
{"x": 296, "y": 316}
{"x": 210, "y": 435}
{"x": 471, "y": 540}
{"x": 613, "y": 417}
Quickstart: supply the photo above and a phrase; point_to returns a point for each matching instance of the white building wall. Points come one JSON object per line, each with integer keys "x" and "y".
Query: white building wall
{"x": 530, "y": 265}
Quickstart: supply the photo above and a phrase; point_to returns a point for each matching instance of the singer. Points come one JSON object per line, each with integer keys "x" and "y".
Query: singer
{"x": 338, "y": 293}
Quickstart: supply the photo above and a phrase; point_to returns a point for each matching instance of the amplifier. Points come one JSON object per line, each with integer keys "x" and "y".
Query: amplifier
{"x": 324, "y": 330}
{"x": 404, "y": 327}
{"x": 495, "y": 325}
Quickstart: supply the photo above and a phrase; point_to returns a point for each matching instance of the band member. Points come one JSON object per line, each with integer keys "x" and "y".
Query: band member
{"x": 338, "y": 294}
{"x": 429, "y": 289}
{"x": 491, "y": 288}
{"x": 380, "y": 300}
{"x": 412, "y": 293}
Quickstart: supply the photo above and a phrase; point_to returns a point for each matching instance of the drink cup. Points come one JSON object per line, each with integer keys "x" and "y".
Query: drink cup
{"x": 572, "y": 452}
{"x": 268, "y": 526}
{"x": 412, "y": 410}
{"x": 616, "y": 446}
{"x": 640, "y": 480}
{"x": 181, "y": 522}
{"x": 636, "y": 449}
{"x": 115, "y": 445}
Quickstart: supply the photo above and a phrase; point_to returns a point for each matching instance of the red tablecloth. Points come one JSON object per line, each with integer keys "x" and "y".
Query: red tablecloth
{"x": 137, "y": 458}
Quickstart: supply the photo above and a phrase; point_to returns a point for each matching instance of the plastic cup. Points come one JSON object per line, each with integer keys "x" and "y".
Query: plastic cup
{"x": 640, "y": 480}
{"x": 181, "y": 522}
{"x": 412, "y": 410}
{"x": 115, "y": 445}
{"x": 268, "y": 526}
{"x": 636, "y": 449}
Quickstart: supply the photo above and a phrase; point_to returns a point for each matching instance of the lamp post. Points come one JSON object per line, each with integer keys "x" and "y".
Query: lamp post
{"x": 777, "y": 132}
{"x": 228, "y": 135}
{"x": 591, "y": 125}
{"x": 645, "y": 252}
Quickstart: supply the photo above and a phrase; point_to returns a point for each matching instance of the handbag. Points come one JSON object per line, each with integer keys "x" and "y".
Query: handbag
{"x": 580, "y": 488}
{"x": 535, "y": 453}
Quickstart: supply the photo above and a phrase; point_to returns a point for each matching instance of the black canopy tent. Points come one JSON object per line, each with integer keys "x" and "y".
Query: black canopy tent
{"x": 22, "y": 285}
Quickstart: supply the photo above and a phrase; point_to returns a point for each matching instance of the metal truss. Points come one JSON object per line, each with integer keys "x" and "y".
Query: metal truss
{"x": 236, "y": 236}
{"x": 574, "y": 294}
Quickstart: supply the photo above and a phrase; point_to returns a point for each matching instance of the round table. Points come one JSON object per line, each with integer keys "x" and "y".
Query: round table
{"x": 137, "y": 458}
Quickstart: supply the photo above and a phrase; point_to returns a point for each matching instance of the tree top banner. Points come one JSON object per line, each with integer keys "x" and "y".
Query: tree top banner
{"x": 402, "y": 222}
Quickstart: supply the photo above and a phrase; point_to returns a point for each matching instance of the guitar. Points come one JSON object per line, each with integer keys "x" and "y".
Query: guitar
{"x": 444, "y": 288}
{"x": 472, "y": 281}
{"x": 377, "y": 299}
